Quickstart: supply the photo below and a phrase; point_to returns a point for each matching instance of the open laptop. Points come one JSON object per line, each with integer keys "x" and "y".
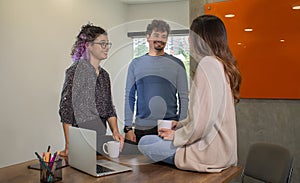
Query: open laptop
{"x": 82, "y": 154}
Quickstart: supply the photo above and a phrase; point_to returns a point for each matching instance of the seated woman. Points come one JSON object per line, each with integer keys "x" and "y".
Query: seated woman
{"x": 206, "y": 140}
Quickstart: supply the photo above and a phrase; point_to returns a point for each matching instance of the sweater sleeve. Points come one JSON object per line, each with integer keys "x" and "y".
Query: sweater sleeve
{"x": 206, "y": 94}
{"x": 66, "y": 111}
{"x": 110, "y": 106}
{"x": 182, "y": 88}
{"x": 130, "y": 91}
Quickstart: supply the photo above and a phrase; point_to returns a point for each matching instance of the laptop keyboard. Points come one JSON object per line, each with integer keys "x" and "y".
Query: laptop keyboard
{"x": 101, "y": 169}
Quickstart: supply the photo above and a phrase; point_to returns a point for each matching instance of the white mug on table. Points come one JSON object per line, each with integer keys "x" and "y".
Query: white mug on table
{"x": 113, "y": 148}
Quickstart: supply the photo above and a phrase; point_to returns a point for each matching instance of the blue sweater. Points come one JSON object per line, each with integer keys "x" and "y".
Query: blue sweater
{"x": 152, "y": 85}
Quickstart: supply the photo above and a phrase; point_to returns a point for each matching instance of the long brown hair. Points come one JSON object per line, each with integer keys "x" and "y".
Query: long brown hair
{"x": 209, "y": 37}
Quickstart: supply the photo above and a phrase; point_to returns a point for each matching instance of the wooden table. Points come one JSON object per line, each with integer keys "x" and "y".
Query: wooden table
{"x": 143, "y": 171}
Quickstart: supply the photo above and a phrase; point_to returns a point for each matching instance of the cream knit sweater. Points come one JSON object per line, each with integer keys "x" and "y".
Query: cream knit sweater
{"x": 207, "y": 137}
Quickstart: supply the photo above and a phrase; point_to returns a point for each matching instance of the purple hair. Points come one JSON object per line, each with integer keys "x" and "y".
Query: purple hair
{"x": 88, "y": 33}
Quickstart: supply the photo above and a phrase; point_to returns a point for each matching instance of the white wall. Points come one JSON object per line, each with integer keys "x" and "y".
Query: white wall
{"x": 175, "y": 13}
{"x": 36, "y": 38}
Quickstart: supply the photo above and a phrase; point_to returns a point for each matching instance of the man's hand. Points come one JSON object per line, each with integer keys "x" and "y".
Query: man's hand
{"x": 130, "y": 136}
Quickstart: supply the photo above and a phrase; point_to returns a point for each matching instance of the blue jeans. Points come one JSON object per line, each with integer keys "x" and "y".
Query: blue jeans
{"x": 157, "y": 149}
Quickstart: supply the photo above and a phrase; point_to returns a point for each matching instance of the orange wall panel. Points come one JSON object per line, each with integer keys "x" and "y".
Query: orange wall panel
{"x": 270, "y": 68}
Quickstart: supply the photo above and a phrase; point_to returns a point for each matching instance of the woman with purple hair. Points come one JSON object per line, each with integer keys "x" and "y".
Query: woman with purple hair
{"x": 86, "y": 100}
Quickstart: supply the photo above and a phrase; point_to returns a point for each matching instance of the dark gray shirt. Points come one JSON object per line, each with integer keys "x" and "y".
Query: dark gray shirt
{"x": 85, "y": 95}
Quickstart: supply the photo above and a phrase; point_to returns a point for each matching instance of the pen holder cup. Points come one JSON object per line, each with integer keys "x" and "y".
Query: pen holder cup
{"x": 53, "y": 173}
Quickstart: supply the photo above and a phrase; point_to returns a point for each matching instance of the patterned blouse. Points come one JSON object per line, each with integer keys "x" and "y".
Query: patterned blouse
{"x": 103, "y": 98}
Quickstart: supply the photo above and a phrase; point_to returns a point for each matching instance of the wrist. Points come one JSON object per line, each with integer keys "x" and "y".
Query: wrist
{"x": 115, "y": 132}
{"x": 127, "y": 129}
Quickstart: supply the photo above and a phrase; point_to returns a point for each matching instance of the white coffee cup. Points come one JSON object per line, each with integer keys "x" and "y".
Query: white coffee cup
{"x": 164, "y": 124}
{"x": 113, "y": 148}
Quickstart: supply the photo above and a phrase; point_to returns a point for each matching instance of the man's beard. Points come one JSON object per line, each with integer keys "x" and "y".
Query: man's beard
{"x": 161, "y": 47}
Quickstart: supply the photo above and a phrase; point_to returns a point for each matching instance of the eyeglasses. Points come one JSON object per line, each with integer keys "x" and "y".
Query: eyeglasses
{"x": 104, "y": 44}
{"x": 159, "y": 35}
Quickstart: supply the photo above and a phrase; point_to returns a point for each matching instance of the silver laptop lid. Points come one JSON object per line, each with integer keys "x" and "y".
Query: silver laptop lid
{"x": 82, "y": 153}
{"x": 82, "y": 149}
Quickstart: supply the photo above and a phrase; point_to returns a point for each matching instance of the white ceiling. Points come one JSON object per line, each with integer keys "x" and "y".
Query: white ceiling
{"x": 147, "y": 1}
